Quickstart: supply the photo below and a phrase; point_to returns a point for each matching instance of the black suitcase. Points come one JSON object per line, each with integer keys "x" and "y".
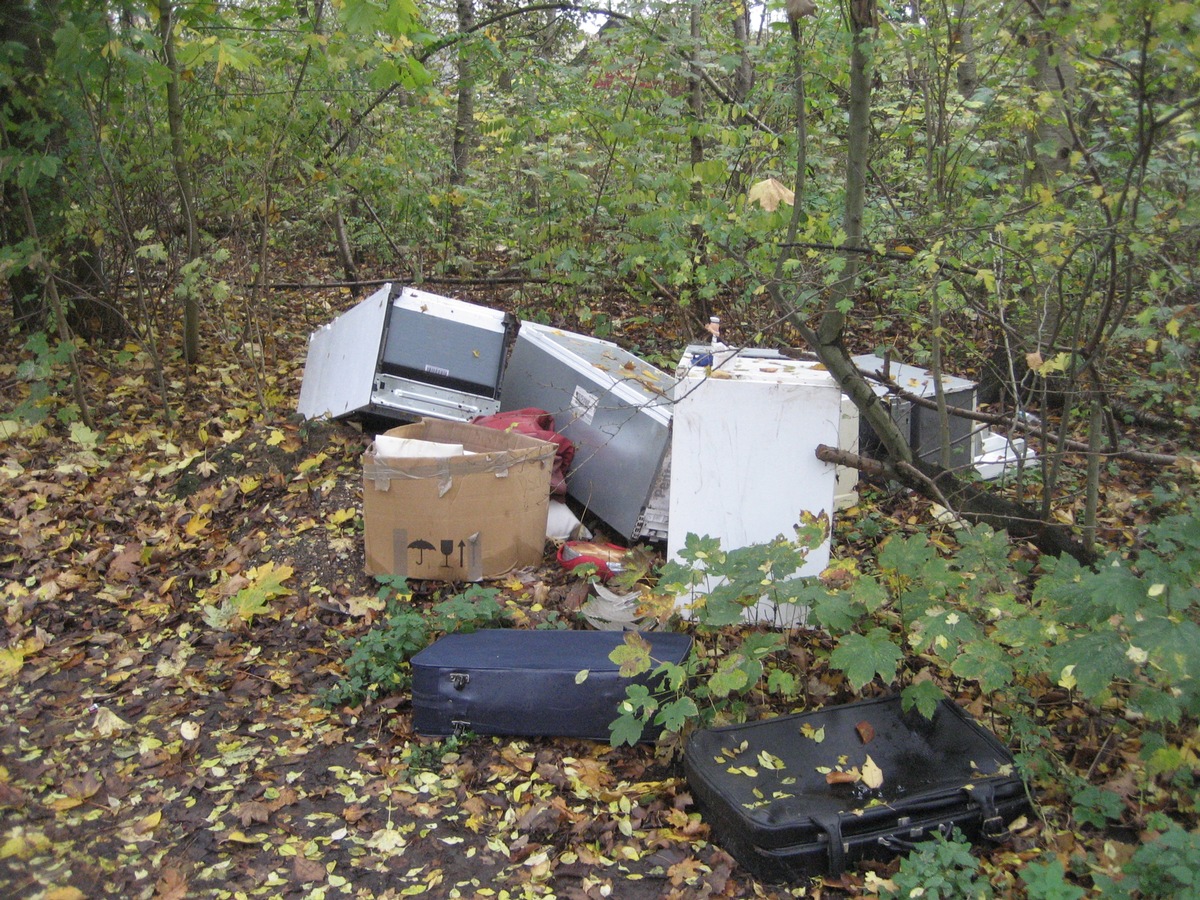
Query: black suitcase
{"x": 764, "y": 791}
{"x": 526, "y": 683}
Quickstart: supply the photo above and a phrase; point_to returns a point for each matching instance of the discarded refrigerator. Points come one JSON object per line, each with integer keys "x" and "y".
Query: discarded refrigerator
{"x": 920, "y": 424}
{"x": 615, "y": 408}
{"x": 744, "y": 465}
{"x": 403, "y": 354}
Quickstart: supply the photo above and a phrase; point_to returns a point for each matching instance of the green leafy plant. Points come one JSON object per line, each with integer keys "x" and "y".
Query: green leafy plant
{"x": 377, "y": 664}
{"x": 1047, "y": 881}
{"x": 708, "y": 685}
{"x": 1161, "y": 868}
{"x": 940, "y": 869}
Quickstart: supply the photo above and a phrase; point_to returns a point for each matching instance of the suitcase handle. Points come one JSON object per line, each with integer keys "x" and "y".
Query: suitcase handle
{"x": 832, "y": 826}
{"x": 902, "y": 845}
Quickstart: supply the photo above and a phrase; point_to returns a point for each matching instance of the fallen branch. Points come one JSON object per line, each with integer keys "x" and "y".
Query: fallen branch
{"x": 425, "y": 279}
{"x": 968, "y": 501}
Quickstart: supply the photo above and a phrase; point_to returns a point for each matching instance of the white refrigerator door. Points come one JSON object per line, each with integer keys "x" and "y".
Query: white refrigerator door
{"x": 743, "y": 459}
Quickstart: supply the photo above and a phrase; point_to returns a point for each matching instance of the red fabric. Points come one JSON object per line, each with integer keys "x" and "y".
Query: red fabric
{"x": 536, "y": 423}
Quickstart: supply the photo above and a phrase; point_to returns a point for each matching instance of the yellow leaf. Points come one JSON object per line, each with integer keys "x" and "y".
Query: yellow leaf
{"x": 107, "y": 723}
{"x": 1173, "y": 328}
{"x": 1067, "y": 678}
{"x": 312, "y": 462}
{"x": 196, "y": 526}
{"x": 11, "y": 660}
{"x": 21, "y": 843}
{"x": 276, "y": 438}
{"x": 872, "y": 775}
{"x": 149, "y": 823}
{"x": 248, "y": 484}
{"x": 769, "y": 194}
{"x": 337, "y": 517}
{"x": 237, "y": 837}
{"x": 64, "y": 893}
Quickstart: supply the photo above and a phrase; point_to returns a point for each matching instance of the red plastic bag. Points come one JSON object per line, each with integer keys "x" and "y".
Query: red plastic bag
{"x": 536, "y": 423}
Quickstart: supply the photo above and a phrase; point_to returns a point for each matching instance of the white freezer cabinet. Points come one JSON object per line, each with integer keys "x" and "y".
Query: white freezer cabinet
{"x": 403, "y": 354}
{"x": 744, "y": 465}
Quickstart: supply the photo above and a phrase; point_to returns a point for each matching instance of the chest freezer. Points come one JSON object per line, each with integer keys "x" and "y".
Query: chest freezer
{"x": 744, "y": 465}
{"x": 921, "y": 425}
{"x": 846, "y": 487}
{"x": 403, "y": 354}
{"x": 615, "y": 408}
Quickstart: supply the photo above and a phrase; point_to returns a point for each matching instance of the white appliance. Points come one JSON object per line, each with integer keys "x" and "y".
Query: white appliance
{"x": 402, "y": 353}
{"x": 743, "y": 461}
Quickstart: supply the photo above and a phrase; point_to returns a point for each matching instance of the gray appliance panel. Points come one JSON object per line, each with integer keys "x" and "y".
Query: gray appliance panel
{"x": 920, "y": 424}
{"x": 405, "y": 398}
{"x": 606, "y": 401}
{"x": 446, "y": 359}
{"x": 447, "y": 342}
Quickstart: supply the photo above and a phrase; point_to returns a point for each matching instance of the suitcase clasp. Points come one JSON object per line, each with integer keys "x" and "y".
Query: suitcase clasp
{"x": 460, "y": 680}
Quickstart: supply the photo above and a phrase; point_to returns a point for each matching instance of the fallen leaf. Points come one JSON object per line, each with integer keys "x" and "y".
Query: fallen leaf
{"x": 847, "y": 777}
{"x": 866, "y": 731}
{"x": 872, "y": 775}
{"x": 107, "y": 723}
{"x": 307, "y": 871}
{"x": 171, "y": 885}
{"x": 251, "y": 811}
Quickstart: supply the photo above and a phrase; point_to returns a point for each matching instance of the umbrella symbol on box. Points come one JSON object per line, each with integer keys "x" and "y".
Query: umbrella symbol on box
{"x": 421, "y": 547}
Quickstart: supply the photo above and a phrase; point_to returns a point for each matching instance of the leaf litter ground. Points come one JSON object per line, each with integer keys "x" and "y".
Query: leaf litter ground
{"x": 175, "y": 603}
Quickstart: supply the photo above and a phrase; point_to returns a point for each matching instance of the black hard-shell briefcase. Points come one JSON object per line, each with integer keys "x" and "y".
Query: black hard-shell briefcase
{"x": 526, "y": 683}
{"x": 764, "y": 788}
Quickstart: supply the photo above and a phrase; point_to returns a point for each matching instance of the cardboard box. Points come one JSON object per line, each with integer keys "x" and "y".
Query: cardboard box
{"x": 457, "y": 517}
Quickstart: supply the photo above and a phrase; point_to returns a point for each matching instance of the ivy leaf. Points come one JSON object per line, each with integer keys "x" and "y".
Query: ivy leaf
{"x": 862, "y": 657}
{"x": 676, "y": 714}
{"x": 924, "y": 695}
{"x": 633, "y": 656}
{"x": 983, "y": 662}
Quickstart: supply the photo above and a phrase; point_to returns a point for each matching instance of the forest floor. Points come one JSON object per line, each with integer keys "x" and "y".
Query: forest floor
{"x": 176, "y": 596}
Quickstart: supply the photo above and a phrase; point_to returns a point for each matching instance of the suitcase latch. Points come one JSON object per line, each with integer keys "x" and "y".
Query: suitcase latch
{"x": 460, "y": 680}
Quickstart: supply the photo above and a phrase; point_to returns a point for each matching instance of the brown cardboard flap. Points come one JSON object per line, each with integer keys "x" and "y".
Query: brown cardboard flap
{"x": 459, "y": 518}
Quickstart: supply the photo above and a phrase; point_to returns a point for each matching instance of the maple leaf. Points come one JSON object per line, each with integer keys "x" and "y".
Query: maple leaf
{"x": 769, "y": 193}
{"x": 171, "y": 885}
{"x": 633, "y": 656}
{"x": 265, "y": 583}
{"x": 252, "y": 811}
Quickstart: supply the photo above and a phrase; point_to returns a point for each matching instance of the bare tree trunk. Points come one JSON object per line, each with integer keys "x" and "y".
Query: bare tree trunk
{"x": 931, "y": 481}
{"x": 967, "y": 70}
{"x": 743, "y": 75}
{"x": 183, "y": 178}
{"x": 464, "y": 121}
{"x": 696, "y": 107}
